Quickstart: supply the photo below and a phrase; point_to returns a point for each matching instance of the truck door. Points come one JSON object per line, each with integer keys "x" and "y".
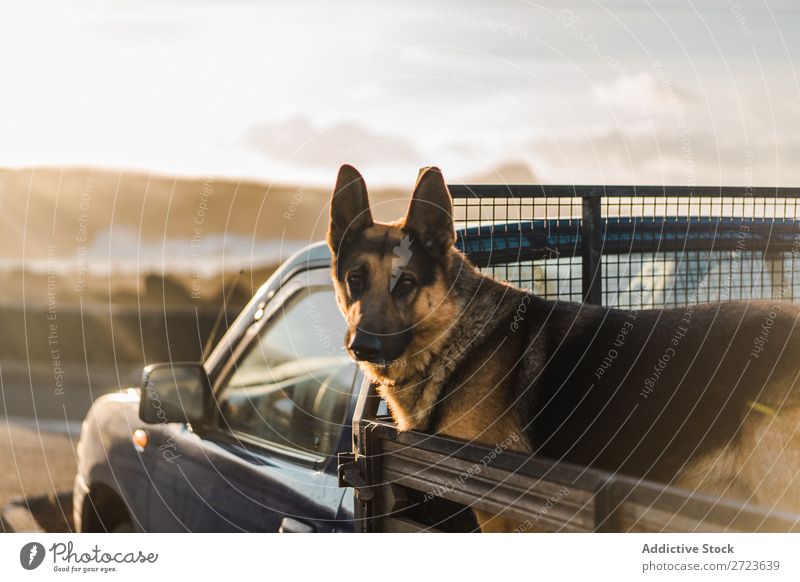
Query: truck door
{"x": 284, "y": 401}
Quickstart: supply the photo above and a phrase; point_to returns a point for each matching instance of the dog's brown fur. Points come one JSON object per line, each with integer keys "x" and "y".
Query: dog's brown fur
{"x": 480, "y": 360}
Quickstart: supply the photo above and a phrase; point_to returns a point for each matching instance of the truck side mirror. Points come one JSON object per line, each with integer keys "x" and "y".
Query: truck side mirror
{"x": 175, "y": 392}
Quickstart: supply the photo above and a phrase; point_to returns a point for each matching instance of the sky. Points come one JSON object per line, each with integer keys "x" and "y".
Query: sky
{"x": 626, "y": 91}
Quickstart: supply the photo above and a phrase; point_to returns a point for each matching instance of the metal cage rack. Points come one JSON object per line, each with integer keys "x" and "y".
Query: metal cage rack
{"x": 635, "y": 247}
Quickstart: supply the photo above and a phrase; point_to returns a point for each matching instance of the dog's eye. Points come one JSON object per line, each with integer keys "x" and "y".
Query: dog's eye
{"x": 406, "y": 284}
{"x": 355, "y": 282}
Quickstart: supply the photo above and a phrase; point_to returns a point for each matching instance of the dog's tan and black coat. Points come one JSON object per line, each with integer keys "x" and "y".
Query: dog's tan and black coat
{"x": 702, "y": 396}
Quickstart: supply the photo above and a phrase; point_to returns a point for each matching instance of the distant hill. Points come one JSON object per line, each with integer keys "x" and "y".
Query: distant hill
{"x": 107, "y": 235}
{"x": 518, "y": 172}
{"x": 43, "y": 205}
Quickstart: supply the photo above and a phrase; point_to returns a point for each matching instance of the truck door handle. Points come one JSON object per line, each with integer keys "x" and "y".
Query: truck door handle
{"x": 289, "y": 525}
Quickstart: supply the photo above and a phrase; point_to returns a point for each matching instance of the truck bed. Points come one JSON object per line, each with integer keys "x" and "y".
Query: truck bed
{"x": 411, "y": 481}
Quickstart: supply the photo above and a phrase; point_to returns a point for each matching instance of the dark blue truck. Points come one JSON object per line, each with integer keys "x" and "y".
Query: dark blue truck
{"x": 246, "y": 441}
{"x": 277, "y": 431}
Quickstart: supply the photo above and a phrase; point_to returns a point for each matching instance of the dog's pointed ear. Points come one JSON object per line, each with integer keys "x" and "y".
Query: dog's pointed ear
{"x": 430, "y": 214}
{"x": 350, "y": 211}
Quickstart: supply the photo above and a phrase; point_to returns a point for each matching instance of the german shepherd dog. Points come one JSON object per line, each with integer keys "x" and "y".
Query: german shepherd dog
{"x": 701, "y": 396}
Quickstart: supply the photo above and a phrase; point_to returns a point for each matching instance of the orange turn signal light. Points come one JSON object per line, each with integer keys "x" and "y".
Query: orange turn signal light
{"x": 140, "y": 439}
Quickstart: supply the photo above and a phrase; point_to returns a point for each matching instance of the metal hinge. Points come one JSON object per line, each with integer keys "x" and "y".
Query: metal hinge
{"x": 350, "y": 475}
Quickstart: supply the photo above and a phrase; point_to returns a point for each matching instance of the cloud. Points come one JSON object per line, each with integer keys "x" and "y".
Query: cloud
{"x": 299, "y": 141}
{"x": 654, "y": 152}
{"x": 642, "y": 93}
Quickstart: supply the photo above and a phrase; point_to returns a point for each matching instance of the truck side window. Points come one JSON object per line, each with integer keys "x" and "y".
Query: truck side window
{"x": 292, "y": 387}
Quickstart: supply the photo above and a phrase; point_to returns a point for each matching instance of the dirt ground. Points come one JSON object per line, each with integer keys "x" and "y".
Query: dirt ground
{"x": 35, "y": 462}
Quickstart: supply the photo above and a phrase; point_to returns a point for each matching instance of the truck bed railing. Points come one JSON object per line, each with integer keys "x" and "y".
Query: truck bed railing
{"x": 408, "y": 473}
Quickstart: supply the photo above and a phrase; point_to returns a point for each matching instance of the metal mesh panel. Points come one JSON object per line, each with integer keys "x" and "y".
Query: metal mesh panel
{"x": 681, "y": 273}
{"x": 654, "y": 251}
{"x": 473, "y": 211}
{"x": 556, "y": 278}
{"x": 554, "y": 270}
{"x": 669, "y": 279}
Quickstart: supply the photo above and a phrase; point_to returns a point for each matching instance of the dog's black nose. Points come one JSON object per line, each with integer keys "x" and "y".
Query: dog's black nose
{"x": 366, "y": 346}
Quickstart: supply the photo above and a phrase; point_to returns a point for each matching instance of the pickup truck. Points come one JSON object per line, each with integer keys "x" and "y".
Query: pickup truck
{"x": 245, "y": 441}
{"x": 277, "y": 431}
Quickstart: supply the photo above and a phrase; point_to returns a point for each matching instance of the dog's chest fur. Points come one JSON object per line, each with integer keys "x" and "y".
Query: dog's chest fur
{"x": 463, "y": 385}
